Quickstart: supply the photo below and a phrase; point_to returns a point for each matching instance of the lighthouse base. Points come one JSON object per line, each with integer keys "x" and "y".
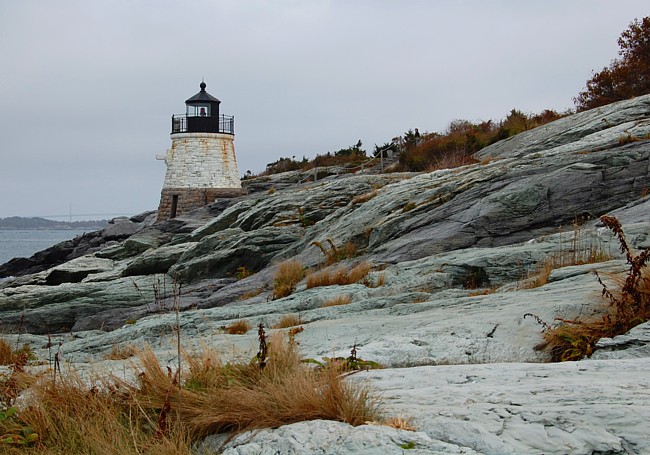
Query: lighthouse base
{"x": 177, "y": 201}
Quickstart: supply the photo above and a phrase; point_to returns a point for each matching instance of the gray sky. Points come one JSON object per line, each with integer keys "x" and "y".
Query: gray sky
{"x": 87, "y": 88}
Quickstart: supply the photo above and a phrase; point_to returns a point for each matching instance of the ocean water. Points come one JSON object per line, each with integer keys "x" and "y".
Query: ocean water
{"x": 19, "y": 243}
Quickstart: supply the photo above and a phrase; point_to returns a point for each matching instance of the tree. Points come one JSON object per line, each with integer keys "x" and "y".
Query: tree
{"x": 626, "y": 77}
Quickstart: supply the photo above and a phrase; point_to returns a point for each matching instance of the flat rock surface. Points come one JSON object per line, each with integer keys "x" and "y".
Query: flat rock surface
{"x": 575, "y": 407}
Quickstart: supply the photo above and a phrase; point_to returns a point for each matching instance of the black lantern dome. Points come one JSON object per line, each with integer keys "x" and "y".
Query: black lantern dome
{"x": 202, "y": 104}
{"x": 202, "y": 116}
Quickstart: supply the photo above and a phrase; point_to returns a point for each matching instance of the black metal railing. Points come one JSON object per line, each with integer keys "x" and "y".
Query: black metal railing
{"x": 182, "y": 123}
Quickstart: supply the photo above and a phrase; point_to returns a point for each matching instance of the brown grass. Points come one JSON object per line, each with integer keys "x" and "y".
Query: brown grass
{"x": 121, "y": 352}
{"x": 408, "y": 207}
{"x": 450, "y": 161}
{"x": 164, "y": 414}
{"x": 334, "y": 254}
{"x": 223, "y": 398}
{"x": 288, "y": 320}
{"x": 7, "y": 356}
{"x": 364, "y": 197}
{"x": 251, "y": 294}
{"x": 343, "y": 299}
{"x": 359, "y": 272}
{"x": 629, "y": 306}
{"x": 238, "y": 327}
{"x": 70, "y": 416}
{"x": 485, "y": 291}
{"x": 287, "y": 276}
{"x": 401, "y": 423}
{"x": 539, "y": 276}
{"x": 581, "y": 251}
{"x": 338, "y": 275}
{"x": 628, "y": 138}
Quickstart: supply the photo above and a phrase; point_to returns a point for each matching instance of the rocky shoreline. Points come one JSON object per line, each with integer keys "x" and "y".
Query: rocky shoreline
{"x": 442, "y": 307}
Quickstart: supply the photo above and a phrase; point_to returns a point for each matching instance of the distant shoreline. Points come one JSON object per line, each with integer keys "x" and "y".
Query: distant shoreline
{"x": 93, "y": 228}
{"x": 17, "y": 223}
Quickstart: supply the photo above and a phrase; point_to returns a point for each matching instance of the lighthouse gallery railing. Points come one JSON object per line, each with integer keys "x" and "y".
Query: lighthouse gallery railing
{"x": 183, "y": 123}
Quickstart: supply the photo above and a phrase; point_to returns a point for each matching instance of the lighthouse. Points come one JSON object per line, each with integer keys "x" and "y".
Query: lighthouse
{"x": 201, "y": 163}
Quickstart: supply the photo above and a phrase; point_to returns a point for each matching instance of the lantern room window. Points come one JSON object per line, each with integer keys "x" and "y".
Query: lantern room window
{"x": 198, "y": 110}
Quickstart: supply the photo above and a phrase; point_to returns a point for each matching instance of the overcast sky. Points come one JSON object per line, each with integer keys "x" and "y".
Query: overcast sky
{"x": 87, "y": 88}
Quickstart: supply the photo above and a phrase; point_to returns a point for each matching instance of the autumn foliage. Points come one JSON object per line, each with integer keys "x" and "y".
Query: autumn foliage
{"x": 625, "y": 77}
{"x": 457, "y": 145}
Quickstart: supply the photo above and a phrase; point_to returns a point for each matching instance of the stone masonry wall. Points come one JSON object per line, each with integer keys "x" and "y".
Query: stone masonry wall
{"x": 201, "y": 160}
{"x": 190, "y": 199}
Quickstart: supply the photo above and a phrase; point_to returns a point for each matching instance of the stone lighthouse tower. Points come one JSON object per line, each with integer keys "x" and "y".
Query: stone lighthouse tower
{"x": 201, "y": 163}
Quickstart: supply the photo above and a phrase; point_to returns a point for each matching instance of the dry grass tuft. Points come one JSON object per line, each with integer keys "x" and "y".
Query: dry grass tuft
{"x": 539, "y": 276}
{"x": 485, "y": 291}
{"x": 359, "y": 272}
{"x": 288, "y": 320}
{"x": 628, "y": 138}
{"x": 122, "y": 352}
{"x": 251, "y": 294}
{"x": 343, "y": 299}
{"x": 408, "y": 207}
{"x": 11, "y": 356}
{"x": 325, "y": 277}
{"x": 238, "y": 328}
{"x": 240, "y": 397}
{"x": 334, "y": 254}
{"x": 7, "y": 355}
{"x": 401, "y": 423}
{"x": 287, "y": 276}
{"x": 338, "y": 276}
{"x": 381, "y": 280}
{"x": 364, "y": 197}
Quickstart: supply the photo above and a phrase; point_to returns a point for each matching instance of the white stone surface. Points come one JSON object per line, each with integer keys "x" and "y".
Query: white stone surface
{"x": 587, "y": 407}
{"x": 202, "y": 160}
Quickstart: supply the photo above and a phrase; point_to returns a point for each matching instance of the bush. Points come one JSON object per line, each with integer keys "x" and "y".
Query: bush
{"x": 626, "y": 77}
{"x": 456, "y": 146}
